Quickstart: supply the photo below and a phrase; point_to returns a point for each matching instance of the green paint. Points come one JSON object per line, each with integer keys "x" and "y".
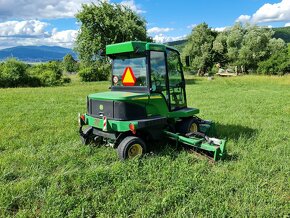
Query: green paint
{"x": 154, "y": 103}
{"x": 134, "y": 46}
{"x": 112, "y": 125}
{"x": 219, "y": 151}
{"x": 118, "y": 96}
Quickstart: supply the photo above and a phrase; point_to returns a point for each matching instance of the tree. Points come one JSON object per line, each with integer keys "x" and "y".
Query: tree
{"x": 234, "y": 42}
{"x": 199, "y": 48}
{"x": 255, "y": 46}
{"x": 220, "y": 48}
{"x": 48, "y": 74}
{"x": 13, "y": 73}
{"x": 276, "y": 45}
{"x": 278, "y": 63}
{"x": 69, "y": 63}
{"x": 106, "y": 23}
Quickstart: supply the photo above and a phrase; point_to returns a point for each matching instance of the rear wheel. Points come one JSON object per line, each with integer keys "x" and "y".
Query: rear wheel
{"x": 131, "y": 147}
{"x": 85, "y": 140}
{"x": 188, "y": 125}
{"x": 86, "y": 135}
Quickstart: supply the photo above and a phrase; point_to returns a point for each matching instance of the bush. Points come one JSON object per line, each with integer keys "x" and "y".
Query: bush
{"x": 88, "y": 74}
{"x": 13, "y": 73}
{"x": 277, "y": 64}
{"x": 70, "y": 65}
{"x": 95, "y": 72}
{"x": 49, "y": 74}
{"x": 66, "y": 80}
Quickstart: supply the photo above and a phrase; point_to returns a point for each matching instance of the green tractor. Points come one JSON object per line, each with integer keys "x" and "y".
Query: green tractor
{"x": 146, "y": 104}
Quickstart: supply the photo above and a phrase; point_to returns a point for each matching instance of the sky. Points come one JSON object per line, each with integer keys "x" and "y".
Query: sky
{"x": 52, "y": 22}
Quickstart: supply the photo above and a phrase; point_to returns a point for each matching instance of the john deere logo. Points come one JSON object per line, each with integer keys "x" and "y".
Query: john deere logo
{"x": 101, "y": 107}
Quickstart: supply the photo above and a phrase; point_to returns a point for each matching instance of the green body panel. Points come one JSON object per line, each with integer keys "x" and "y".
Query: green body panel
{"x": 219, "y": 151}
{"x": 133, "y": 46}
{"x": 183, "y": 113}
{"x": 158, "y": 106}
{"x": 154, "y": 103}
{"x": 112, "y": 125}
{"x": 125, "y": 47}
{"x": 119, "y": 96}
{"x": 155, "y": 47}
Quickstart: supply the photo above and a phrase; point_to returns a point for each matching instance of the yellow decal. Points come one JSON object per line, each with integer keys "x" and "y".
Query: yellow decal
{"x": 128, "y": 78}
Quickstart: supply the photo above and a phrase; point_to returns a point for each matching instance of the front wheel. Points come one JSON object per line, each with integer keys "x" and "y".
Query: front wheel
{"x": 131, "y": 147}
{"x": 188, "y": 125}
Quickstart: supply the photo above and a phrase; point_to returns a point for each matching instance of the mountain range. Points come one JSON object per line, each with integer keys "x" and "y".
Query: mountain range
{"x": 36, "y": 53}
{"x": 47, "y": 53}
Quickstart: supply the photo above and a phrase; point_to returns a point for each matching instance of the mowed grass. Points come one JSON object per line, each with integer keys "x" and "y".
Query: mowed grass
{"x": 45, "y": 171}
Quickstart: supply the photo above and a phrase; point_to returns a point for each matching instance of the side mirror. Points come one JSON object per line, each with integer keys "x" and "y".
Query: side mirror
{"x": 187, "y": 61}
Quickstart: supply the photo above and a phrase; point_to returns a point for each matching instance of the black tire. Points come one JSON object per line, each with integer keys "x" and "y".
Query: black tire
{"x": 85, "y": 140}
{"x": 188, "y": 125}
{"x": 126, "y": 150}
{"x": 86, "y": 135}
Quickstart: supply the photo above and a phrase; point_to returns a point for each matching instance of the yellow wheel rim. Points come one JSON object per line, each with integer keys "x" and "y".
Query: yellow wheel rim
{"x": 193, "y": 127}
{"x": 135, "y": 150}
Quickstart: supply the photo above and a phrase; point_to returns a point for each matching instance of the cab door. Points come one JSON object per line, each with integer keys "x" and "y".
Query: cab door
{"x": 158, "y": 76}
{"x": 176, "y": 83}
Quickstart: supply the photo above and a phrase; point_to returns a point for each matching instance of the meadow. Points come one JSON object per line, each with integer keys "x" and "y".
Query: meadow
{"x": 46, "y": 171}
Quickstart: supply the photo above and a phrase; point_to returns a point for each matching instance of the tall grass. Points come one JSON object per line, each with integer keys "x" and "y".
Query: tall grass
{"x": 45, "y": 171}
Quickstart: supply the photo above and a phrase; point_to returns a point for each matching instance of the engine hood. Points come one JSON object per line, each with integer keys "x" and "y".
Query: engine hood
{"x": 119, "y": 96}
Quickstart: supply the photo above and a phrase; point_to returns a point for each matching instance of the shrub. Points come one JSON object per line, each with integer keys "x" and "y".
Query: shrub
{"x": 66, "y": 80}
{"x": 49, "y": 74}
{"x": 69, "y": 64}
{"x": 13, "y": 73}
{"x": 277, "y": 64}
{"x": 95, "y": 72}
{"x": 88, "y": 74}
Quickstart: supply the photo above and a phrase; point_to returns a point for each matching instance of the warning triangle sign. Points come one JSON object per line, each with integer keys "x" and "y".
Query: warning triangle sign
{"x": 128, "y": 77}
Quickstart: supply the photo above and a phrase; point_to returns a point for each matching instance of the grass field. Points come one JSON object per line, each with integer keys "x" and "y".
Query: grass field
{"x": 45, "y": 171}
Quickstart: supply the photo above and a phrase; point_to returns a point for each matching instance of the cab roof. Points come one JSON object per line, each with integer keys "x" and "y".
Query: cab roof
{"x": 135, "y": 46}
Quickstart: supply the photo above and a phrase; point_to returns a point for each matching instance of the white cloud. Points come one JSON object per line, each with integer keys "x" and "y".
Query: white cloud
{"x": 277, "y": 12}
{"x": 220, "y": 29}
{"x": 131, "y": 4}
{"x": 243, "y": 19}
{"x": 35, "y": 9}
{"x": 287, "y": 24}
{"x": 191, "y": 26}
{"x": 273, "y": 12}
{"x": 27, "y": 27}
{"x": 64, "y": 38}
{"x": 160, "y": 38}
{"x": 159, "y": 30}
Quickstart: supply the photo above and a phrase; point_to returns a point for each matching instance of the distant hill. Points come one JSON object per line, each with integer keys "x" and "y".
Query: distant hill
{"x": 283, "y": 33}
{"x": 36, "y": 53}
{"x": 280, "y": 32}
{"x": 175, "y": 43}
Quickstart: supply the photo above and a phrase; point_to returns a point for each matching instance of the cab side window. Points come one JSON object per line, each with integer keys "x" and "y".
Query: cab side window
{"x": 158, "y": 72}
{"x": 176, "y": 84}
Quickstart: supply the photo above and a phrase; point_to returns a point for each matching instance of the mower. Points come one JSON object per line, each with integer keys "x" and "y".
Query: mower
{"x": 146, "y": 104}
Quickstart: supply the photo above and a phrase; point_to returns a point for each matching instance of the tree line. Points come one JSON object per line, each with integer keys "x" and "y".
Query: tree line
{"x": 250, "y": 48}
{"x": 247, "y": 48}
{"x": 14, "y": 73}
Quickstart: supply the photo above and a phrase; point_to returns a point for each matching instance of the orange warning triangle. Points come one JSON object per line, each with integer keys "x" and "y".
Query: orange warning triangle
{"x": 128, "y": 77}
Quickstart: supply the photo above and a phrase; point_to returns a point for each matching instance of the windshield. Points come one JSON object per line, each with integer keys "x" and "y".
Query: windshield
{"x": 129, "y": 71}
